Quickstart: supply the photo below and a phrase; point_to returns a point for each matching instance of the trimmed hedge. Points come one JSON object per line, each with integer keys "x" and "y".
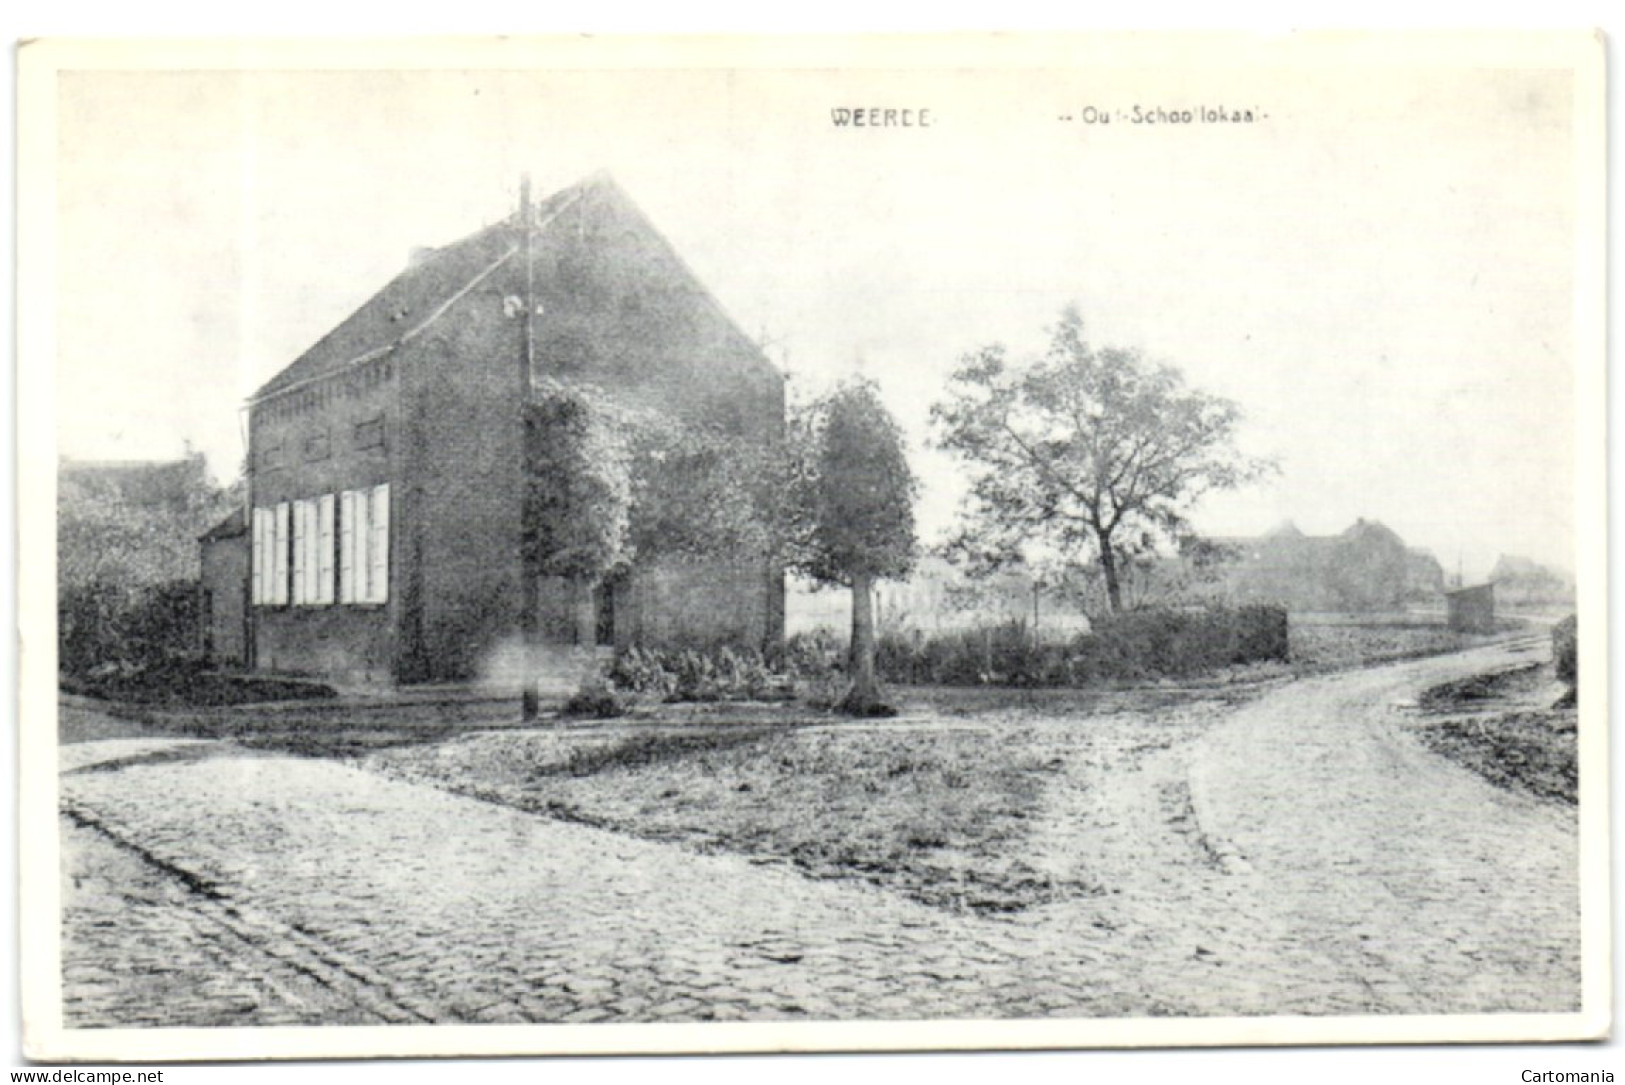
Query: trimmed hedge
{"x": 189, "y": 684}
{"x": 106, "y": 625}
{"x": 1565, "y": 650}
{"x": 1122, "y": 647}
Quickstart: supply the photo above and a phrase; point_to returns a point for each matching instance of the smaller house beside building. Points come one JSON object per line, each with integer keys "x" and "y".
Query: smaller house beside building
{"x": 224, "y": 556}
{"x": 1471, "y": 610}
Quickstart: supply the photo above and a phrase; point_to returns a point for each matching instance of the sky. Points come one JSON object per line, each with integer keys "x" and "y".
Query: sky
{"x": 1379, "y": 269}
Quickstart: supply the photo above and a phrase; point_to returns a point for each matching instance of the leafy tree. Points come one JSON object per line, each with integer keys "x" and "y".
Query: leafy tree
{"x": 853, "y": 501}
{"x": 609, "y": 483}
{"x": 1194, "y": 573}
{"x": 700, "y": 492}
{"x": 1083, "y": 453}
{"x": 135, "y": 524}
{"x": 579, "y": 482}
{"x": 127, "y": 557}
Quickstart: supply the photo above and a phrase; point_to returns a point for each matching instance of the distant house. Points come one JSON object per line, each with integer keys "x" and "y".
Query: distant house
{"x": 386, "y": 474}
{"x": 1471, "y": 610}
{"x": 1365, "y": 568}
{"x": 1520, "y": 581}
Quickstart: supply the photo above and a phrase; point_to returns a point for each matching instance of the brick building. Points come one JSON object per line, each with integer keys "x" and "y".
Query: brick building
{"x": 386, "y": 480}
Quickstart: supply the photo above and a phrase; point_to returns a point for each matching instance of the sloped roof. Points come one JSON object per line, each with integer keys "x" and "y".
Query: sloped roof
{"x": 142, "y": 482}
{"x": 235, "y": 524}
{"x": 114, "y": 472}
{"x": 415, "y": 296}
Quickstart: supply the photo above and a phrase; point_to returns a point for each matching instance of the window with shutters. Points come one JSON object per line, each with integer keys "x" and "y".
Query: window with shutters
{"x": 363, "y": 530}
{"x": 293, "y": 552}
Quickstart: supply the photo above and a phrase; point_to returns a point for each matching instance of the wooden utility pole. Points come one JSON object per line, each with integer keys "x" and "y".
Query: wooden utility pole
{"x": 529, "y": 578}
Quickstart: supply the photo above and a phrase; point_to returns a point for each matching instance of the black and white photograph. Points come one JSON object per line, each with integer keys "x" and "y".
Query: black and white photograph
{"x": 656, "y": 545}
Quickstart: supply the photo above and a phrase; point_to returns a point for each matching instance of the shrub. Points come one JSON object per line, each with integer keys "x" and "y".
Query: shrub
{"x": 688, "y": 674}
{"x": 639, "y": 670}
{"x": 103, "y": 625}
{"x": 1262, "y": 634}
{"x": 1003, "y": 654}
{"x": 897, "y": 656}
{"x": 1184, "y": 642}
{"x": 824, "y": 691}
{"x": 594, "y": 700}
{"x": 190, "y": 684}
{"x": 1565, "y": 650}
{"x": 815, "y": 654}
{"x": 1128, "y": 646}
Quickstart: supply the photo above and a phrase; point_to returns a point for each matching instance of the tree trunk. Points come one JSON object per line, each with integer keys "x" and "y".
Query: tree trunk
{"x": 863, "y": 699}
{"x": 1108, "y": 565}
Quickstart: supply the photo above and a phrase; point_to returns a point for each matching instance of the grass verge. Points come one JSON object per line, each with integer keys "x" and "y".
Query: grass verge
{"x": 939, "y": 816}
{"x": 1500, "y": 726}
{"x": 1332, "y": 642}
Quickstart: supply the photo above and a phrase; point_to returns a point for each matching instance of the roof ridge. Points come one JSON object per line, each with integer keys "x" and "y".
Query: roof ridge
{"x": 389, "y": 348}
{"x": 364, "y": 336}
{"x": 705, "y": 293}
{"x": 561, "y": 201}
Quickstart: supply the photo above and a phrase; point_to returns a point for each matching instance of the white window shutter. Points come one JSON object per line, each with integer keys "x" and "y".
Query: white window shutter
{"x": 362, "y": 533}
{"x": 347, "y": 524}
{"x": 301, "y": 552}
{"x": 378, "y": 550}
{"x": 324, "y": 549}
{"x": 257, "y": 556}
{"x": 312, "y": 548}
{"x": 279, "y": 557}
{"x": 268, "y": 552}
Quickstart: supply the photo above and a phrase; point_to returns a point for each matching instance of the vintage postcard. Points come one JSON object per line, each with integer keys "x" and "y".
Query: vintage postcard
{"x": 795, "y": 544}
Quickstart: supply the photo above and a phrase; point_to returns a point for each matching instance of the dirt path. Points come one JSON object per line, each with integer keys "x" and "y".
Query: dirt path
{"x": 1307, "y": 856}
{"x": 1300, "y": 856}
{"x": 1403, "y": 867}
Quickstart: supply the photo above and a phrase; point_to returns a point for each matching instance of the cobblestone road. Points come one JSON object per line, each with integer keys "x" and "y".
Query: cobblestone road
{"x": 1303, "y": 856}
